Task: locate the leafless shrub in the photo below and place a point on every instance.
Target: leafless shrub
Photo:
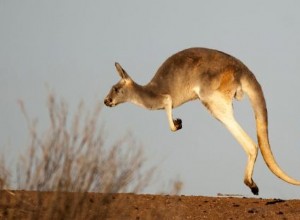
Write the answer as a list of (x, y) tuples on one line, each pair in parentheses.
[(74, 157), (70, 159)]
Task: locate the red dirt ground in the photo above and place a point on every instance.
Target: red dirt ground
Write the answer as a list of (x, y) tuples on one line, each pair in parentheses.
[(53, 205)]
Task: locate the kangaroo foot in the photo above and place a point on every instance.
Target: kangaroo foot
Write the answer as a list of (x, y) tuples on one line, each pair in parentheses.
[(177, 123), (254, 190), (251, 184)]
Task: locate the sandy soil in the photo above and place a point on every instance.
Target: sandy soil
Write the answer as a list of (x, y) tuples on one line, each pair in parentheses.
[(53, 205)]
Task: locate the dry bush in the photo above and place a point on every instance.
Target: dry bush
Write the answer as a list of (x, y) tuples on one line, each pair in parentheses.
[(73, 156)]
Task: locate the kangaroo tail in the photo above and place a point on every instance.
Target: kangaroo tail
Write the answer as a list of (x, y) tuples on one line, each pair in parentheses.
[(254, 91)]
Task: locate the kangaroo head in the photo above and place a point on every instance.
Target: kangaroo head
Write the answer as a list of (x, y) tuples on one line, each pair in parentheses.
[(120, 92)]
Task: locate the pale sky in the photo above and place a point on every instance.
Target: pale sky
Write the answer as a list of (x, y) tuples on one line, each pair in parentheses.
[(72, 45)]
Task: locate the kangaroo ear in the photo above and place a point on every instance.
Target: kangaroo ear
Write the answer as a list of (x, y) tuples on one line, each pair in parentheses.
[(122, 72)]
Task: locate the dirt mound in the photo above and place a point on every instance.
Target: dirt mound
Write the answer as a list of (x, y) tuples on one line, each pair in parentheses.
[(54, 205)]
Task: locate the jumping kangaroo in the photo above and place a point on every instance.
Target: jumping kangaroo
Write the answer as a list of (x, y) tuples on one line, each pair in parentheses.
[(215, 78)]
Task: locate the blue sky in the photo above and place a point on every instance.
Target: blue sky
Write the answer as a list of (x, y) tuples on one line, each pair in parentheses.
[(72, 45)]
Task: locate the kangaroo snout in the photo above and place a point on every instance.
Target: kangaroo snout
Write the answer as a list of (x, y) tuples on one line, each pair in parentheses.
[(108, 102)]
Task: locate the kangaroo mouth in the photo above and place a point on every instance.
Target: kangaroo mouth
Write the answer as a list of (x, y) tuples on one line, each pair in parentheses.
[(108, 102)]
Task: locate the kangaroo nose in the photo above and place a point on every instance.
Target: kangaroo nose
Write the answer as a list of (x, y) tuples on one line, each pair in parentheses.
[(108, 101)]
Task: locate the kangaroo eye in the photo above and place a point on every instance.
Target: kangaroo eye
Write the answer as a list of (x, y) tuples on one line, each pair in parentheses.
[(115, 89)]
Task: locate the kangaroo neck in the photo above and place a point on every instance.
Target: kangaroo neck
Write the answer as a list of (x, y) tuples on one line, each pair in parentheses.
[(145, 97)]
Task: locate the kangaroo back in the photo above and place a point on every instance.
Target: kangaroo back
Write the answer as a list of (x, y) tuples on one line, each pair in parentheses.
[(254, 91)]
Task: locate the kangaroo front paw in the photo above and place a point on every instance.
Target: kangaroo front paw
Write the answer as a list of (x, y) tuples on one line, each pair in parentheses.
[(177, 123)]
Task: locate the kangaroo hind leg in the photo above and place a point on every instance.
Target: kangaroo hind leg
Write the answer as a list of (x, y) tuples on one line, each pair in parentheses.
[(220, 107)]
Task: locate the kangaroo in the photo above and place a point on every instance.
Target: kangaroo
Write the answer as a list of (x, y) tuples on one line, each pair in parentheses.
[(215, 78)]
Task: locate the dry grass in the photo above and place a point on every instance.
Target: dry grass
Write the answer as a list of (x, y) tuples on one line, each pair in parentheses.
[(73, 156), (4, 174)]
